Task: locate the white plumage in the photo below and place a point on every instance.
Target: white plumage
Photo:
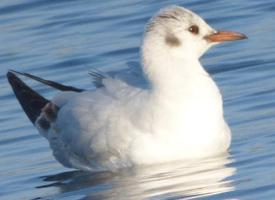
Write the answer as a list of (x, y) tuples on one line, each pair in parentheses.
[(179, 116)]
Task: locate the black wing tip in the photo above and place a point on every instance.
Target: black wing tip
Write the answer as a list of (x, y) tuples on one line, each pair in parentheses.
[(50, 83), (10, 74), (14, 81), (31, 102)]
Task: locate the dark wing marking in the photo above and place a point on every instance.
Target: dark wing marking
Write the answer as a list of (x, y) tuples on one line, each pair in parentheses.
[(31, 102), (53, 84)]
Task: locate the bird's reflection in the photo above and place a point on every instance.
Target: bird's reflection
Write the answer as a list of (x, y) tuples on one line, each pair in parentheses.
[(174, 180)]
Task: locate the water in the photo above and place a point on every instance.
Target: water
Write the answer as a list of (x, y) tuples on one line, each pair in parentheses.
[(63, 40)]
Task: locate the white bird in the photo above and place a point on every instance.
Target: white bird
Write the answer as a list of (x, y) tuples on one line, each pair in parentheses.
[(179, 116)]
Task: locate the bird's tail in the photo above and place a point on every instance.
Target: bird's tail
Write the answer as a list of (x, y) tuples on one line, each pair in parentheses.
[(31, 102)]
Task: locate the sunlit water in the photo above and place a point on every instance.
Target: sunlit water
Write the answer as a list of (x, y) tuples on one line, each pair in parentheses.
[(62, 40)]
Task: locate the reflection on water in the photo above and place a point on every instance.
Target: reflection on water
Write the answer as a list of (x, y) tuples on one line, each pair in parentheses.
[(62, 40), (180, 180)]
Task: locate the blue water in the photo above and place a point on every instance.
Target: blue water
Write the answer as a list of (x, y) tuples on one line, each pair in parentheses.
[(62, 40)]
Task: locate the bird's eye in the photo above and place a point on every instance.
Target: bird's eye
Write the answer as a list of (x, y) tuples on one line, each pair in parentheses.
[(194, 29)]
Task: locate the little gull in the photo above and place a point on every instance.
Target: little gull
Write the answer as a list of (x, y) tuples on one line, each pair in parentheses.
[(179, 116)]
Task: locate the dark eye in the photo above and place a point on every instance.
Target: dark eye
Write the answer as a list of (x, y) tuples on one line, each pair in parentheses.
[(194, 29)]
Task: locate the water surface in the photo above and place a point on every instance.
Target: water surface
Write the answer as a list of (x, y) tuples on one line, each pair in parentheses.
[(63, 40)]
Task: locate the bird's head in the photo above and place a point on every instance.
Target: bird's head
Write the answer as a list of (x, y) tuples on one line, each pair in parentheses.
[(181, 33)]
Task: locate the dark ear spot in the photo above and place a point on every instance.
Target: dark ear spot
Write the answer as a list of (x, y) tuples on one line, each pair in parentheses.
[(172, 40)]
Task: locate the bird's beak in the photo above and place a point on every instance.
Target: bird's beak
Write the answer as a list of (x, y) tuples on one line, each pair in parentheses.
[(223, 36)]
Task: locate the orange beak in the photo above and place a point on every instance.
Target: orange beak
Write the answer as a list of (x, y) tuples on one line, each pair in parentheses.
[(224, 36)]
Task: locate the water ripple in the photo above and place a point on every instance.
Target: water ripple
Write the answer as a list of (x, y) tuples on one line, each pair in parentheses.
[(63, 40)]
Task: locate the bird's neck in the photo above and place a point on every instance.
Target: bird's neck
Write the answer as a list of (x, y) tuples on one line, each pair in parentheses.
[(177, 75), (169, 76), (167, 70), (180, 83), (182, 95), (176, 78)]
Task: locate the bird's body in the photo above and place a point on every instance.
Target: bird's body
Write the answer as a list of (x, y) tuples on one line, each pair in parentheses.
[(133, 126), (178, 117)]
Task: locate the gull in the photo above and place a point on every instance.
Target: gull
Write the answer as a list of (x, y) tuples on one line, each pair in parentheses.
[(177, 116)]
